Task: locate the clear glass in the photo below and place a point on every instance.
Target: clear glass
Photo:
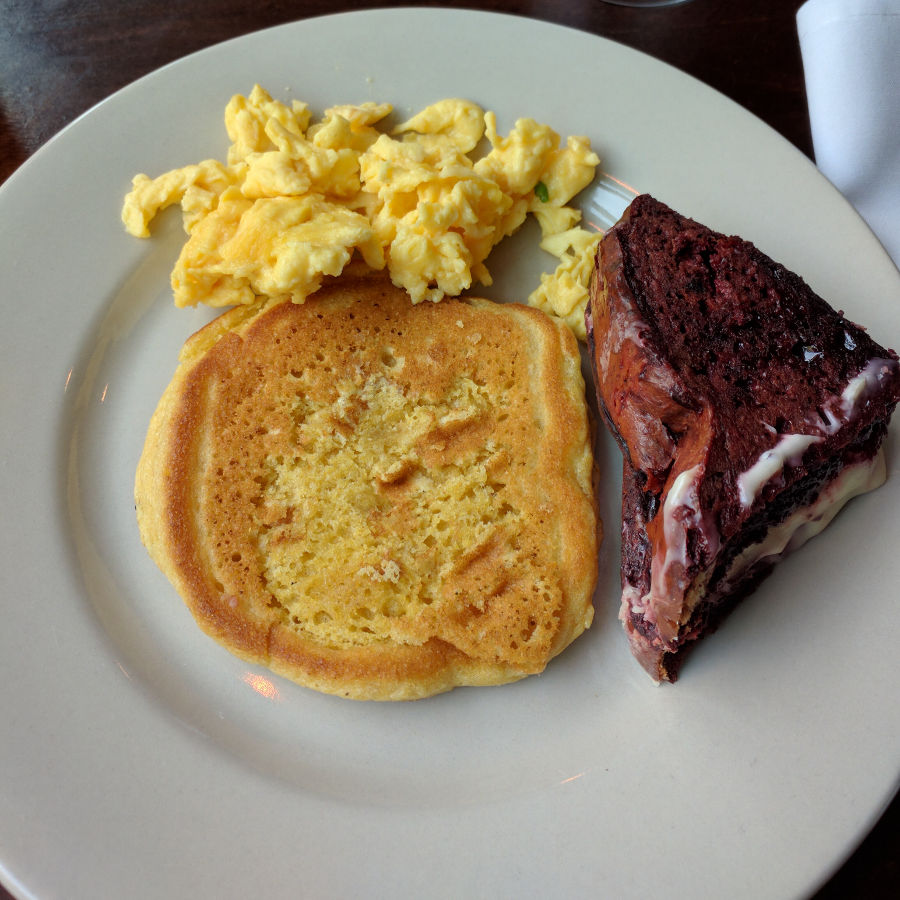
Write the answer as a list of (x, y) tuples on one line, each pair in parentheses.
[(646, 2)]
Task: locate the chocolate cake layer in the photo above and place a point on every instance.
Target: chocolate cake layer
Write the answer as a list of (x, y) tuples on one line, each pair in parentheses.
[(743, 403)]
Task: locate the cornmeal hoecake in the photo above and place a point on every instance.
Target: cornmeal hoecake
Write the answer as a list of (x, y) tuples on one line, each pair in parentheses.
[(373, 498), (296, 198)]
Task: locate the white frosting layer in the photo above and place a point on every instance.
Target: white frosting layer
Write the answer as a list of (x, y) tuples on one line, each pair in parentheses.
[(682, 509), (681, 512), (667, 571), (857, 389), (806, 523), (790, 535), (788, 451), (790, 448)]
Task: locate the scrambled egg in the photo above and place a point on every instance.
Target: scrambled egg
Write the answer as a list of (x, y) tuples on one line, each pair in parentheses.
[(295, 199), (565, 292)]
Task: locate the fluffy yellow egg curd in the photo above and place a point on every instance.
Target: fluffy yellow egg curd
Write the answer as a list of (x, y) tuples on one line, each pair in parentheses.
[(297, 199)]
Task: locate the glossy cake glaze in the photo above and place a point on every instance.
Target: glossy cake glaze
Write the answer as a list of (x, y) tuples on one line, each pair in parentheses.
[(744, 405)]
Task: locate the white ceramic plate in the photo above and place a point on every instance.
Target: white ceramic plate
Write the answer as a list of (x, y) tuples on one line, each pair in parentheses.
[(140, 760)]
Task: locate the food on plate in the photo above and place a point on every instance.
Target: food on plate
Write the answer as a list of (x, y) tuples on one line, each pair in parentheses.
[(377, 499), (564, 292), (747, 409), (296, 199)]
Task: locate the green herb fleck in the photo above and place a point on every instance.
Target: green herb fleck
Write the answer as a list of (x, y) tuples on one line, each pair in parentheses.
[(541, 192)]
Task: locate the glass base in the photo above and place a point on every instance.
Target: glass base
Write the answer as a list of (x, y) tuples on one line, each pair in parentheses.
[(646, 2)]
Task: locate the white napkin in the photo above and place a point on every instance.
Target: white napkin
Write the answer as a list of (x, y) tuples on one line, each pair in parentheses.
[(851, 60)]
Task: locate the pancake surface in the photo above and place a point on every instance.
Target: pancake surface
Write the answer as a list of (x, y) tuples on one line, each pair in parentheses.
[(375, 499)]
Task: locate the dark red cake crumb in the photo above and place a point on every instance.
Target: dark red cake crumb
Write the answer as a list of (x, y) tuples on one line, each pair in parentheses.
[(738, 397)]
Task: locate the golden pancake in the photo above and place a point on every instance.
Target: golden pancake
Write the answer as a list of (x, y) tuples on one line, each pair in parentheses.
[(377, 499)]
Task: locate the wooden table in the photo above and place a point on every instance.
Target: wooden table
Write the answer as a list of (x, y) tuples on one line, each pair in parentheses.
[(60, 57)]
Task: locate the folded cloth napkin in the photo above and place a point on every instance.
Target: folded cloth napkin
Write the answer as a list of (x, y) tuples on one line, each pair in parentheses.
[(851, 62)]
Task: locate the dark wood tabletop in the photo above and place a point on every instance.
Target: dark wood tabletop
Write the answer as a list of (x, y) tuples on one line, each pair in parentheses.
[(60, 57)]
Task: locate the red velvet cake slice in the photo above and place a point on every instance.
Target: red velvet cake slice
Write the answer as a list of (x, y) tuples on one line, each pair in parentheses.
[(747, 409)]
